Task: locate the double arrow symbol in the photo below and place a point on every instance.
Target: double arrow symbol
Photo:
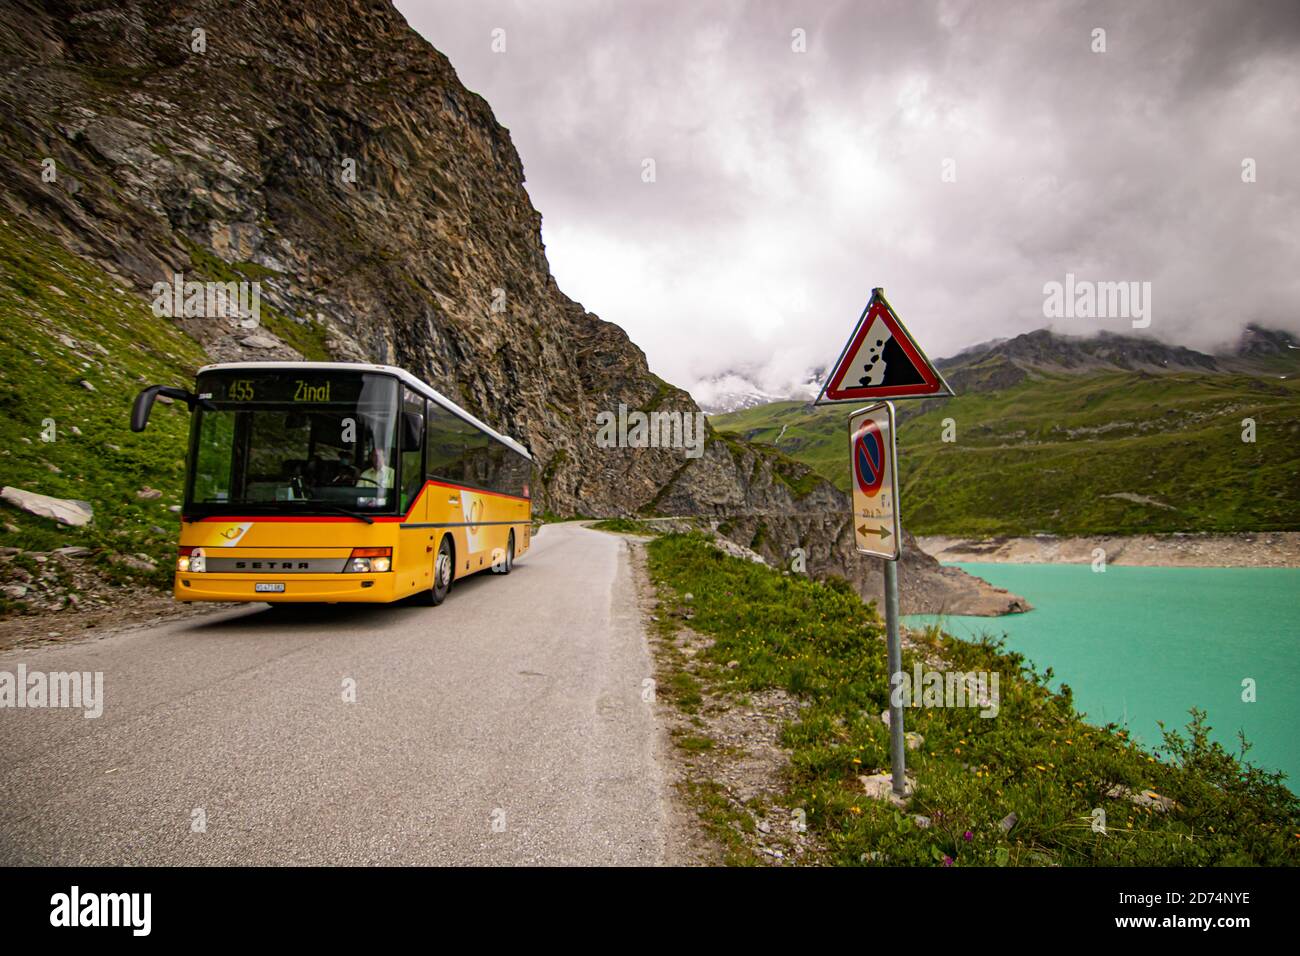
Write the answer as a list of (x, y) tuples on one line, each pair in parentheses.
[(882, 531)]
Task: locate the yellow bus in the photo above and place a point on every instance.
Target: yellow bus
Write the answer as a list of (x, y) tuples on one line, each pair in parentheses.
[(335, 481)]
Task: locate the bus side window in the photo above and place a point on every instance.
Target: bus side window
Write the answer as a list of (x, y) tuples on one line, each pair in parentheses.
[(458, 453), (444, 443)]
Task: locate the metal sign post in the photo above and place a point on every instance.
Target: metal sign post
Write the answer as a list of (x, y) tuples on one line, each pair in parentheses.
[(877, 531), (894, 654), (881, 360)]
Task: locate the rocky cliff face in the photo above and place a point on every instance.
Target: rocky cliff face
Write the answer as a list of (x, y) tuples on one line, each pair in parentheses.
[(329, 153)]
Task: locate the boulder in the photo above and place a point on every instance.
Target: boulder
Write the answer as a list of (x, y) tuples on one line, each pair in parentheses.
[(65, 511), (134, 561), (880, 786)]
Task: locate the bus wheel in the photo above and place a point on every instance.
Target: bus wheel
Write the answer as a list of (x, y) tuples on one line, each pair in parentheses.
[(444, 569), (509, 564)]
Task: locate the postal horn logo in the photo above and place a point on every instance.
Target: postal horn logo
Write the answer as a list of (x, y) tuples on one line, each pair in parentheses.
[(233, 533)]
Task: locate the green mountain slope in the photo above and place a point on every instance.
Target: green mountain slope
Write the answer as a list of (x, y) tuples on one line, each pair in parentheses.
[(66, 322), (1094, 453)]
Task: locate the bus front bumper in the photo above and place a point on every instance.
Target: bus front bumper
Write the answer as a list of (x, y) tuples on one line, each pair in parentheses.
[(373, 588)]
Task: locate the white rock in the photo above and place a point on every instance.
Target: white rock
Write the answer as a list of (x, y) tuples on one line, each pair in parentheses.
[(63, 510), (132, 561), (880, 786)]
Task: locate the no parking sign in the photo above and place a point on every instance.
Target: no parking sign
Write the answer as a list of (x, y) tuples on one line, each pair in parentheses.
[(876, 527)]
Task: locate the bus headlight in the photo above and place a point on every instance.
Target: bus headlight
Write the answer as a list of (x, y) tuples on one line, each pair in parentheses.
[(365, 560), (191, 559)]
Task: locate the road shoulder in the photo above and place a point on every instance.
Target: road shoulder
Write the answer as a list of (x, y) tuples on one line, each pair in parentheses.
[(721, 754)]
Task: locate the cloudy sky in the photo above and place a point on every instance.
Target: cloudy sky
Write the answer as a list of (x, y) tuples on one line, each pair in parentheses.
[(959, 154)]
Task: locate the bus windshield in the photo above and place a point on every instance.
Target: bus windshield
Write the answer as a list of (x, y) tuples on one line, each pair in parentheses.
[(294, 441)]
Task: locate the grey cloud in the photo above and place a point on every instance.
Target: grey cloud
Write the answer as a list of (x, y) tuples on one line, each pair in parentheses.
[(790, 184)]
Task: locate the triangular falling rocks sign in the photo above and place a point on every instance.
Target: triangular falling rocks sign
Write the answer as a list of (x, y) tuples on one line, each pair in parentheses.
[(881, 360)]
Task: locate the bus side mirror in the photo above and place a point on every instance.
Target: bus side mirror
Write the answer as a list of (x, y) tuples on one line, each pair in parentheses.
[(144, 403), (412, 431)]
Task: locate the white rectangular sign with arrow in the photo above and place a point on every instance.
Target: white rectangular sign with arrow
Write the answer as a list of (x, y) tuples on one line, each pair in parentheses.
[(872, 459)]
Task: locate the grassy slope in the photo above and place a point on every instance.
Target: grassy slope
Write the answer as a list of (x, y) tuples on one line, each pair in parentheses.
[(1044, 455), (1037, 758), (45, 292)]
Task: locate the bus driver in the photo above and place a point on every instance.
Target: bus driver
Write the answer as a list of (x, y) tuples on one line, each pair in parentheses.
[(379, 474)]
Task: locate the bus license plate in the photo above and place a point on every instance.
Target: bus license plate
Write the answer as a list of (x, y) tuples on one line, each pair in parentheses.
[(263, 587)]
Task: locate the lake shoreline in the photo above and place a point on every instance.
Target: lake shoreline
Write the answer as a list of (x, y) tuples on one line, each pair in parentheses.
[(1264, 549)]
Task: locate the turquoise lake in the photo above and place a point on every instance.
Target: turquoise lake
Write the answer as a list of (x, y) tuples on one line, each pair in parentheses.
[(1138, 645)]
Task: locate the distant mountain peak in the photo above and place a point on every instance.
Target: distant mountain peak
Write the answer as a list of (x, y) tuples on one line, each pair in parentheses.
[(734, 391), (1048, 349), (1257, 341), (1001, 363)]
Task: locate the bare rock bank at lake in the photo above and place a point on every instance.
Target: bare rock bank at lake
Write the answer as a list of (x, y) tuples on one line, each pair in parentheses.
[(1265, 549)]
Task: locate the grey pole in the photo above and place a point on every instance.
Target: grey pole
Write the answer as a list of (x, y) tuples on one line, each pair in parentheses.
[(896, 748)]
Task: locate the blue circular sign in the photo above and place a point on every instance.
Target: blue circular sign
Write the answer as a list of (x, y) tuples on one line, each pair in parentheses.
[(869, 458)]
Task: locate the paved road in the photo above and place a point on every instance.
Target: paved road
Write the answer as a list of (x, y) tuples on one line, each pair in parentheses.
[(516, 701)]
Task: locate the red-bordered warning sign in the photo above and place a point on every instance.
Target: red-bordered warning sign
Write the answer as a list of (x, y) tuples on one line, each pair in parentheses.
[(881, 360)]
